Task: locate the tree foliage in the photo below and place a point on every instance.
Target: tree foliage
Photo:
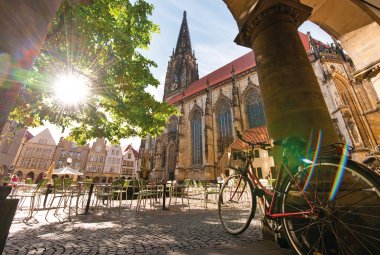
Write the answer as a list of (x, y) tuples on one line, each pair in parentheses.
[(101, 41)]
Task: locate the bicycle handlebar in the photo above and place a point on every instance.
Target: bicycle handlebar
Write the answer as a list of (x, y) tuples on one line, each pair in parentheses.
[(264, 146)]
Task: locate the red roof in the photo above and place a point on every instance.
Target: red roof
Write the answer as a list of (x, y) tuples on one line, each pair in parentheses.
[(135, 153), (240, 64), (255, 135)]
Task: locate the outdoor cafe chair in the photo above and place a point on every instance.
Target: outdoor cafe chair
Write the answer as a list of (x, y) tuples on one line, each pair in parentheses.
[(147, 191), (182, 191), (208, 189), (61, 190), (103, 193), (117, 191), (34, 194), (121, 190)]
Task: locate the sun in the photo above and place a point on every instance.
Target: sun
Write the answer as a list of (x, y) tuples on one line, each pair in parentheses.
[(71, 89)]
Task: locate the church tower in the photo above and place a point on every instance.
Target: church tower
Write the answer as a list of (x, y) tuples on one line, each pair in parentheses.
[(182, 67)]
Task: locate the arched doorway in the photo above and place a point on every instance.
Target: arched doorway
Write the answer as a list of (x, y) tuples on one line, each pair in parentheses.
[(30, 175), (96, 179), (19, 175), (40, 176)]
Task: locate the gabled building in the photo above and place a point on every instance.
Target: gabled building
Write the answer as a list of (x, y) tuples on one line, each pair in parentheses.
[(69, 151), (36, 156), (130, 162), (96, 159), (112, 164), (12, 138)]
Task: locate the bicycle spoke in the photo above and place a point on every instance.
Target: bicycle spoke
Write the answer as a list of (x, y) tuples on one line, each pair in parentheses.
[(347, 225)]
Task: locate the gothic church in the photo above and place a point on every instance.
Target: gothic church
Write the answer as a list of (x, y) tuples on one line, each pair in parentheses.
[(196, 144)]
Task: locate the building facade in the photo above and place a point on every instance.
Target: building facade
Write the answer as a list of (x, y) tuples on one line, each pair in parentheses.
[(229, 99), (96, 159), (68, 150), (11, 140), (36, 156), (129, 165), (112, 164)]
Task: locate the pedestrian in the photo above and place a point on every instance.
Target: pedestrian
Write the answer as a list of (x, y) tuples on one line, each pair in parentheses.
[(14, 178)]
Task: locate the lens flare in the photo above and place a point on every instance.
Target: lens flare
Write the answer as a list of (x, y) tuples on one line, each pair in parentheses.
[(339, 175), (71, 89), (316, 153)]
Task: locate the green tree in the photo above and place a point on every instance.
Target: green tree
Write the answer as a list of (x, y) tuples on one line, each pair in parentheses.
[(101, 41)]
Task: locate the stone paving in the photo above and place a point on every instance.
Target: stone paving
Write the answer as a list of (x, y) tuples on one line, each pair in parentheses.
[(174, 231)]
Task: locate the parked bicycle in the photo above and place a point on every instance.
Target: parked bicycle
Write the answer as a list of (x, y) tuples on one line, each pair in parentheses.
[(372, 161), (324, 205)]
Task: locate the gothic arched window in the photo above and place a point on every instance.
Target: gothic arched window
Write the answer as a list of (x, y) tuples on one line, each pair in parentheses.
[(163, 157), (223, 117), (171, 158), (254, 109), (173, 128), (196, 136)]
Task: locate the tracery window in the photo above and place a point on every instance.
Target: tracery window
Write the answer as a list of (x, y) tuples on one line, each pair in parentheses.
[(196, 136), (171, 158), (254, 109), (163, 157), (172, 127), (223, 116)]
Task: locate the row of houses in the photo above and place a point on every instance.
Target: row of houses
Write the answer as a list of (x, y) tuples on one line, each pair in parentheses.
[(30, 156)]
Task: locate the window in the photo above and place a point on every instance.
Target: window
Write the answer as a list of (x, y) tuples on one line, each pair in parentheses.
[(171, 159), (257, 154), (196, 136), (129, 156), (223, 116), (130, 163), (254, 109), (259, 173), (163, 157)]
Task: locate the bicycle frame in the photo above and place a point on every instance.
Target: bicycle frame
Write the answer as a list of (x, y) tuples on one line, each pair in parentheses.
[(269, 211)]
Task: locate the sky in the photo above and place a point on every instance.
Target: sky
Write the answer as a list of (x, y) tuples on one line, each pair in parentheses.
[(212, 32)]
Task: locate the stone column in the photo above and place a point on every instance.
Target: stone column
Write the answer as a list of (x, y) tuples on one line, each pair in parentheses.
[(24, 25), (293, 101), (235, 103), (209, 136)]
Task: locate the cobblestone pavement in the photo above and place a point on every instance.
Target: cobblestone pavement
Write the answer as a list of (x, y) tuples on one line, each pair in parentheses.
[(181, 231)]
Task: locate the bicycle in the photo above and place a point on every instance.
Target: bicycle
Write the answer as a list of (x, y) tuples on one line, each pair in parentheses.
[(327, 205)]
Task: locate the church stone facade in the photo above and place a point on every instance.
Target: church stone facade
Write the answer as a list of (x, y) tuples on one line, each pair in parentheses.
[(214, 107)]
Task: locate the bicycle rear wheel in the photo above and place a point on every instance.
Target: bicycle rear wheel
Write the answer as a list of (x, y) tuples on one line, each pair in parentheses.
[(348, 223), (236, 204)]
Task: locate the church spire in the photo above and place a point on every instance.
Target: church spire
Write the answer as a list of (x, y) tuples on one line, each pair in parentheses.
[(182, 66), (183, 42)]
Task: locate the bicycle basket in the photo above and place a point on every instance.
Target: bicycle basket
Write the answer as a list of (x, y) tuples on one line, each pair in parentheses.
[(237, 160)]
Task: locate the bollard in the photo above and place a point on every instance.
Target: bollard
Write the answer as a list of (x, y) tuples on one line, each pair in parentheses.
[(7, 212)]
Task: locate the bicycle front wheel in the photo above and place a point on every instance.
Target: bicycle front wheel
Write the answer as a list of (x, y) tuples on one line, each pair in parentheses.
[(346, 201), (236, 204)]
